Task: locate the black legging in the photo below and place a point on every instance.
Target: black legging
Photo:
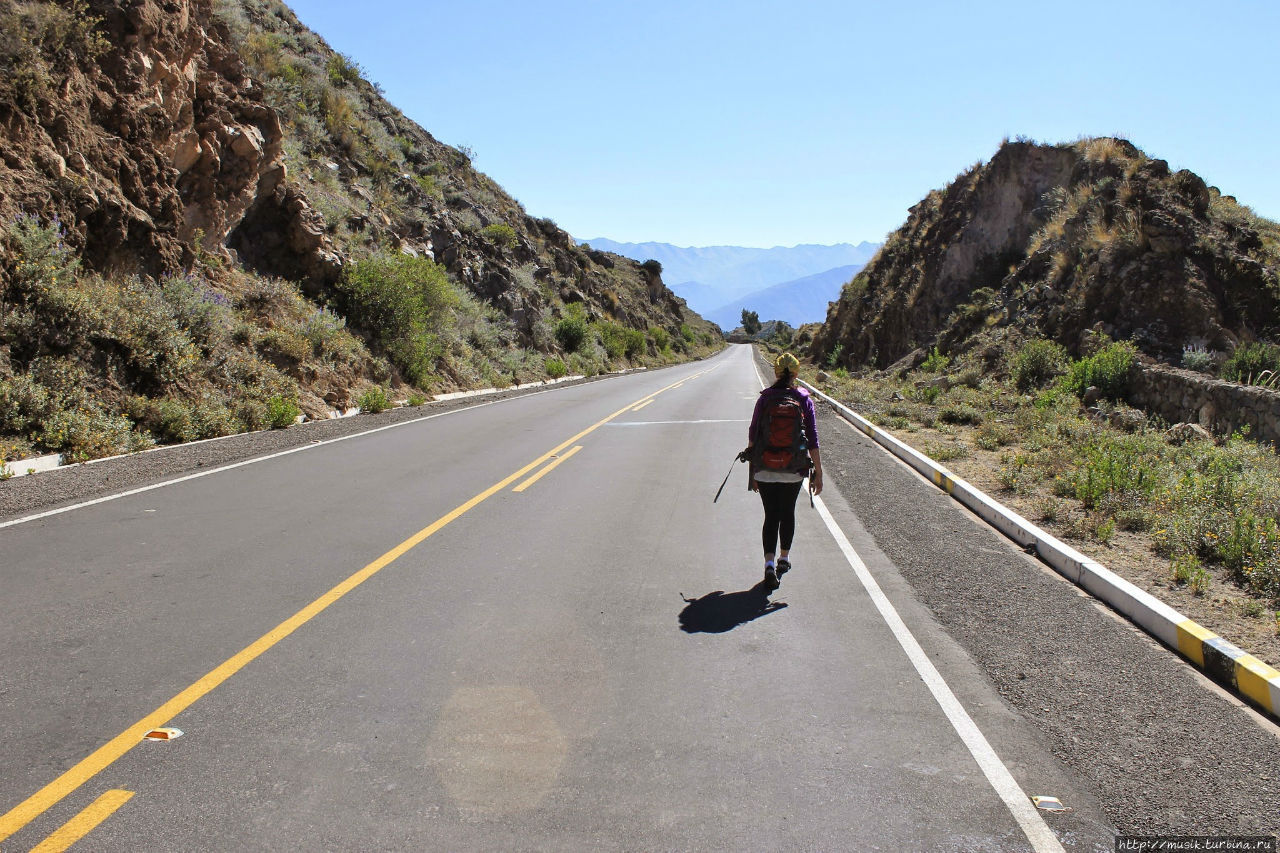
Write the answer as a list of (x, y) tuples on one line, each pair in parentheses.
[(779, 501)]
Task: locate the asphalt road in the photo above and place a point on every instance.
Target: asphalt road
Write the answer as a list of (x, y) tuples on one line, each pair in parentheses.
[(406, 641)]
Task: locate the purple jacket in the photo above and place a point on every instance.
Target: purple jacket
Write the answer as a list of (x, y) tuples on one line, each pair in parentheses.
[(810, 415)]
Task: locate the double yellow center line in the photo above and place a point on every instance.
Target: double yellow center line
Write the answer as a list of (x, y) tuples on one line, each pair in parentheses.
[(84, 823), (48, 796)]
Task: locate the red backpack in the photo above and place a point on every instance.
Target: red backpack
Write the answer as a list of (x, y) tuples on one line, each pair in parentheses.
[(780, 444)]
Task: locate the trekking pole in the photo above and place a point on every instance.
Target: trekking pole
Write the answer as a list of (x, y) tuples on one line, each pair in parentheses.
[(726, 478)]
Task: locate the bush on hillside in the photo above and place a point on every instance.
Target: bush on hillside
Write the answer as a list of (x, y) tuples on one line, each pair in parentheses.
[(404, 303), (1037, 363), (613, 338), (1107, 370), (571, 331), (500, 234), (282, 412), (1250, 360), (374, 400)]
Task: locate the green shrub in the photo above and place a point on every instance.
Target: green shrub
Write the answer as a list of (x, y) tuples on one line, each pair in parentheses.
[(936, 362), (686, 332), (1249, 360), (661, 337), (1036, 363), (83, 434), (945, 452), (1115, 467), (500, 234), (991, 436), (571, 332), (416, 398), (1197, 358), (1107, 370), (635, 343), (286, 344), (374, 400), (202, 312), (429, 186), (405, 303), (170, 420), (24, 403), (342, 69), (252, 414), (960, 413), (927, 394), (613, 338), (555, 368), (1187, 570), (212, 418), (282, 412), (329, 338)]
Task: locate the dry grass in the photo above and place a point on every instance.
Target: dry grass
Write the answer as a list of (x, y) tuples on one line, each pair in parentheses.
[(1194, 525)]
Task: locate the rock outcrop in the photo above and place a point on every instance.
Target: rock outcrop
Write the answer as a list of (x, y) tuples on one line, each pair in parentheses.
[(1063, 242), (152, 145)]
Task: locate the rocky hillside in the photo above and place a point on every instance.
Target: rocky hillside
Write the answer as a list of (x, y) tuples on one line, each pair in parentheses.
[(1063, 241), (207, 210)]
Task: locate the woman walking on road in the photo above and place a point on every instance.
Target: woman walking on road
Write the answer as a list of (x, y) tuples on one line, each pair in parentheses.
[(782, 446)]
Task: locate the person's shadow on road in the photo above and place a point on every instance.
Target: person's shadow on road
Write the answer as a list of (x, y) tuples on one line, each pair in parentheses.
[(717, 612)]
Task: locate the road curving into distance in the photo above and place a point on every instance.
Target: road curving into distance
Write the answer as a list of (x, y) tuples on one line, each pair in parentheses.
[(514, 626)]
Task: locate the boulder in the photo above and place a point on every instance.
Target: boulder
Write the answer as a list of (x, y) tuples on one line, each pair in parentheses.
[(1182, 433)]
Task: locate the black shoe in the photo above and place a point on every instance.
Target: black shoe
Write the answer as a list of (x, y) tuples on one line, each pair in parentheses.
[(784, 566), (770, 578)]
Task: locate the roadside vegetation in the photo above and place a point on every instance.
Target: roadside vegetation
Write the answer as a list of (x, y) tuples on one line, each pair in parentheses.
[(1168, 508), (94, 365)]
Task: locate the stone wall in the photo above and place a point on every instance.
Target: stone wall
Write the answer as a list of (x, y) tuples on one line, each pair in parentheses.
[(1221, 407)]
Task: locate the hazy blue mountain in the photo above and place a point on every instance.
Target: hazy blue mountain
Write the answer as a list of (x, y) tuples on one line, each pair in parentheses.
[(709, 277), (803, 300)]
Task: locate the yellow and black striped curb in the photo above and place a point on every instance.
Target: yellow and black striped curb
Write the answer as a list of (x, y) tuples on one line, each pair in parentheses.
[(1240, 672)]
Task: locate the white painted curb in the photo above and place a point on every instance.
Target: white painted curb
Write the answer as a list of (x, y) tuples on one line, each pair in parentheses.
[(458, 395), (1230, 666)]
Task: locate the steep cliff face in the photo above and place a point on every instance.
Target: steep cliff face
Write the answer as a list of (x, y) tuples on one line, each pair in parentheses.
[(141, 132), (1060, 241)]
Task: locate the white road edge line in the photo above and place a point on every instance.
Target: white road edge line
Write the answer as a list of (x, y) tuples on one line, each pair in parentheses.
[(1015, 799), (106, 498), (263, 459), (1006, 787)]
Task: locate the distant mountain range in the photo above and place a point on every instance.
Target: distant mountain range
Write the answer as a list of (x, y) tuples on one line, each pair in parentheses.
[(803, 300), (714, 278)]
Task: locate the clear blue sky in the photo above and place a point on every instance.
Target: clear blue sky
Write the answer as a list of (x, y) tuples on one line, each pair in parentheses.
[(761, 124)]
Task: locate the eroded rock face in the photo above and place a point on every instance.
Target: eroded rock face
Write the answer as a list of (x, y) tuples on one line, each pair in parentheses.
[(1061, 242), (161, 146)]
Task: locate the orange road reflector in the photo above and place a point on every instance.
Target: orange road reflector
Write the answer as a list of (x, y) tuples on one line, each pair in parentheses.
[(163, 734)]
